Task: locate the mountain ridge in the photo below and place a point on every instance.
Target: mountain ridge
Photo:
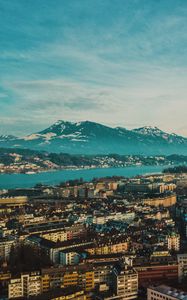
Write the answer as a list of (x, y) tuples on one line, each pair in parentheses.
[(88, 137)]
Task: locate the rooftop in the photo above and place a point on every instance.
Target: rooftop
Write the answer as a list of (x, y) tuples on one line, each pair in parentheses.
[(167, 290)]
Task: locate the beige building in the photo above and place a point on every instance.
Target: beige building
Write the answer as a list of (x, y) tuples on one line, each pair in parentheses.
[(116, 247), (14, 201), (173, 242), (58, 235), (5, 248), (125, 283), (165, 201)]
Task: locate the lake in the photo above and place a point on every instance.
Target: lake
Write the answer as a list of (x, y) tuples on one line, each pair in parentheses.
[(11, 181)]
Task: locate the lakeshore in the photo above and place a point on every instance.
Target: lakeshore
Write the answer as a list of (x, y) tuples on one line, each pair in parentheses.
[(12, 181)]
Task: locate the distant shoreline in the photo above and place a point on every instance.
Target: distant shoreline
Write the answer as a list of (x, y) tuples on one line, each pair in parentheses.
[(51, 178), (70, 168)]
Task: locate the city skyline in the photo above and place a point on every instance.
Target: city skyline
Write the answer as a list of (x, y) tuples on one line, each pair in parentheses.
[(119, 63)]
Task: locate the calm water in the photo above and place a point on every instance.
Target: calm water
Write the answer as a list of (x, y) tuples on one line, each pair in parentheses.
[(25, 181)]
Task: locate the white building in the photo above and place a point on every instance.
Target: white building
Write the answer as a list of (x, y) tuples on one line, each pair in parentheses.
[(125, 283), (69, 258), (25, 286), (165, 292), (182, 263), (124, 217)]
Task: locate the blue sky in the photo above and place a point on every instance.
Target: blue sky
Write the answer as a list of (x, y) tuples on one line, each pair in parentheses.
[(118, 62)]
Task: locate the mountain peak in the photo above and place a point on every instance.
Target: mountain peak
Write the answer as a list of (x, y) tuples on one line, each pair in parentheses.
[(62, 122), (149, 130), (9, 137), (148, 127), (87, 137)]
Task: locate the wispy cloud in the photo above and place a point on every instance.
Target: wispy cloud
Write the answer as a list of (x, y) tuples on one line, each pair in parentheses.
[(107, 61)]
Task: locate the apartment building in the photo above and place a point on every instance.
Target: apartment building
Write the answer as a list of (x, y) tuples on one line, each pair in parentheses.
[(69, 258), (69, 276), (74, 293), (125, 282), (151, 274), (25, 286), (165, 201), (5, 248), (173, 242), (76, 231), (166, 293), (182, 265), (108, 248)]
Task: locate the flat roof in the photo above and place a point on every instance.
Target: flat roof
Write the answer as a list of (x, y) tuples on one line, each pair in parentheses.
[(170, 291)]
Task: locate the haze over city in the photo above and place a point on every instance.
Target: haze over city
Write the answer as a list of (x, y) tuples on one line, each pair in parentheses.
[(117, 62)]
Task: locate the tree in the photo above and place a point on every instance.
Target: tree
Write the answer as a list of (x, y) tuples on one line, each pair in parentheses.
[(24, 258)]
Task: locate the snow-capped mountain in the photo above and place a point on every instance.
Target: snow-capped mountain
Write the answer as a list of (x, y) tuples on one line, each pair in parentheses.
[(93, 138), (149, 130), (7, 138), (156, 132)]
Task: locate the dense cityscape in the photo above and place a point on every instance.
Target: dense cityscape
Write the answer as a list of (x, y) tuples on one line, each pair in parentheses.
[(93, 150), (111, 238)]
